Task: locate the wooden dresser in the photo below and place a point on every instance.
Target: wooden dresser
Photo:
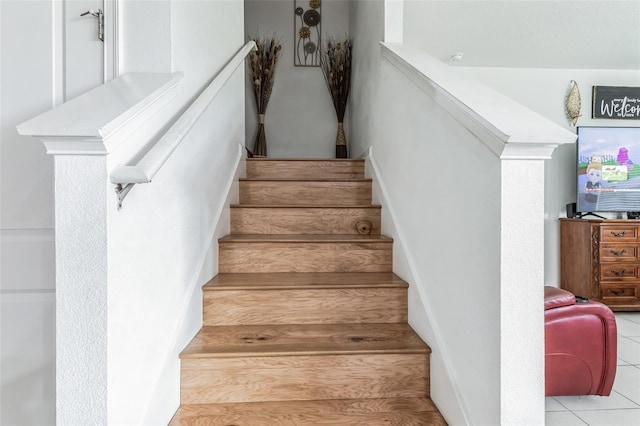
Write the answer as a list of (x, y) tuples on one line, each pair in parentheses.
[(600, 259)]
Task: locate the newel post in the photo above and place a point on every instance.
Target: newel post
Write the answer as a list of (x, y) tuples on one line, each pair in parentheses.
[(522, 284), (82, 135), (81, 283)]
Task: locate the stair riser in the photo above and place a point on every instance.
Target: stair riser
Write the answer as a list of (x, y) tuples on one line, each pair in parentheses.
[(264, 220), (304, 257), (254, 379), (291, 169), (305, 193), (305, 306)]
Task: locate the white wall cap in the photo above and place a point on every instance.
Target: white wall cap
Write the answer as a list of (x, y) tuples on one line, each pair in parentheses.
[(507, 128), (98, 114), (74, 145)]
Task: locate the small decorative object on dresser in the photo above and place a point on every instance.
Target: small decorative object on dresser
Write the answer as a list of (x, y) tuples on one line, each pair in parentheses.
[(335, 62), (263, 71), (600, 260)]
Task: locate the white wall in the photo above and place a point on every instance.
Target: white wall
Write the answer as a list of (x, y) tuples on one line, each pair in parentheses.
[(300, 119), (544, 91), (528, 33), (443, 188), (27, 282), (145, 38), (163, 243)]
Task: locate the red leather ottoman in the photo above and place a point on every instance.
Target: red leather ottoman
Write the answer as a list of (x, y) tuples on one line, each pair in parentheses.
[(580, 345)]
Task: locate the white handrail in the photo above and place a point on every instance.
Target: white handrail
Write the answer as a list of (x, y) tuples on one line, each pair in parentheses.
[(126, 176)]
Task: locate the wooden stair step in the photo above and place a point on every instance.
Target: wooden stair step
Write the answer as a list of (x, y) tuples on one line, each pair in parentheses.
[(304, 362), (364, 412), (310, 280), (304, 298), (304, 339), (308, 192), (304, 219), (304, 253), (305, 168)]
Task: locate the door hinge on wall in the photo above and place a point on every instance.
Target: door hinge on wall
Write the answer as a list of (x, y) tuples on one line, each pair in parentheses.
[(100, 15)]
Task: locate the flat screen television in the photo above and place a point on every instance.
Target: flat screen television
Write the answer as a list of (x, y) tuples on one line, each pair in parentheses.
[(608, 169)]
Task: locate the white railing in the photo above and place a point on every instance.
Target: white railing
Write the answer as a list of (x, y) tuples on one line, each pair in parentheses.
[(125, 177)]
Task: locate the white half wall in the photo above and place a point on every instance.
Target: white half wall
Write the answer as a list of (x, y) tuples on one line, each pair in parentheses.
[(300, 119), (443, 187)]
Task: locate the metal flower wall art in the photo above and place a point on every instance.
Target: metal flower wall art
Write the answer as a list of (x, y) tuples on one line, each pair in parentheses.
[(307, 32)]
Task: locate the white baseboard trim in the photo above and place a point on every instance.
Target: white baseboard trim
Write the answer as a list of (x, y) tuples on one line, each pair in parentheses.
[(400, 239)]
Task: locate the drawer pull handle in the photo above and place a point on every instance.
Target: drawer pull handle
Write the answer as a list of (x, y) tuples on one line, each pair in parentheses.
[(618, 253), (618, 234), (618, 273), (618, 292)]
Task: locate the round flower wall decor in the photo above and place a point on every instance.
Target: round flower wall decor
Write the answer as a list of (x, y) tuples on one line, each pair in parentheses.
[(304, 32), (311, 17), (310, 47)]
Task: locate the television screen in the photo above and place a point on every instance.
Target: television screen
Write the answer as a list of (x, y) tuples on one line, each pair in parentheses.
[(608, 169)]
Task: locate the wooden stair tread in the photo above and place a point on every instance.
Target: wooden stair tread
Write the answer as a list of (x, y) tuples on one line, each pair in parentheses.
[(369, 412), (331, 160), (305, 206), (315, 280), (302, 238), (304, 179), (304, 339)]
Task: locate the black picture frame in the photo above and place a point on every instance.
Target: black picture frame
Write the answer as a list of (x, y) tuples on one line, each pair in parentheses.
[(616, 103)]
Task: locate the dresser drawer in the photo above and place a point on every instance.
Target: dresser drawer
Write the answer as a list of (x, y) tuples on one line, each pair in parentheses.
[(618, 233), (619, 294), (618, 272), (618, 252)]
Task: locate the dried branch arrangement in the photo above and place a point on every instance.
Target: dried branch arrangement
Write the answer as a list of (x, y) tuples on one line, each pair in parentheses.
[(263, 70), (335, 62)]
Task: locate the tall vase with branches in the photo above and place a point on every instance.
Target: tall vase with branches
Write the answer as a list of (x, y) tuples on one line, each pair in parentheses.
[(263, 70), (335, 62)]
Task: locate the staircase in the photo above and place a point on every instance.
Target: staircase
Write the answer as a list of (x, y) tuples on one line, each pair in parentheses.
[(305, 323)]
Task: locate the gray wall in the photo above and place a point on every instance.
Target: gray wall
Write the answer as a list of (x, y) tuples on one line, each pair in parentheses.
[(300, 119)]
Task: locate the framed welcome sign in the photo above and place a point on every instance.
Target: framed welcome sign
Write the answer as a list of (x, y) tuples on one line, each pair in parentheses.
[(618, 103)]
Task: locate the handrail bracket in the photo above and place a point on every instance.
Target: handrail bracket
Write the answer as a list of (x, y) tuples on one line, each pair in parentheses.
[(122, 191)]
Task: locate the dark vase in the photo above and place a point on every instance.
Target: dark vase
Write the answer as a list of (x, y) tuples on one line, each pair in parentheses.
[(260, 145), (341, 142)]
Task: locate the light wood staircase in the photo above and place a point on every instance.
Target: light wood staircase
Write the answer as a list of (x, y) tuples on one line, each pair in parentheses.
[(306, 324)]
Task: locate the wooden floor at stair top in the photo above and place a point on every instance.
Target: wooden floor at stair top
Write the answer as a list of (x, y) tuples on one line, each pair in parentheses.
[(304, 339), (352, 412)]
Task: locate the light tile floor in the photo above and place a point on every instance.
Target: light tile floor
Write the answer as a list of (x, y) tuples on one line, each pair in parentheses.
[(622, 407)]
